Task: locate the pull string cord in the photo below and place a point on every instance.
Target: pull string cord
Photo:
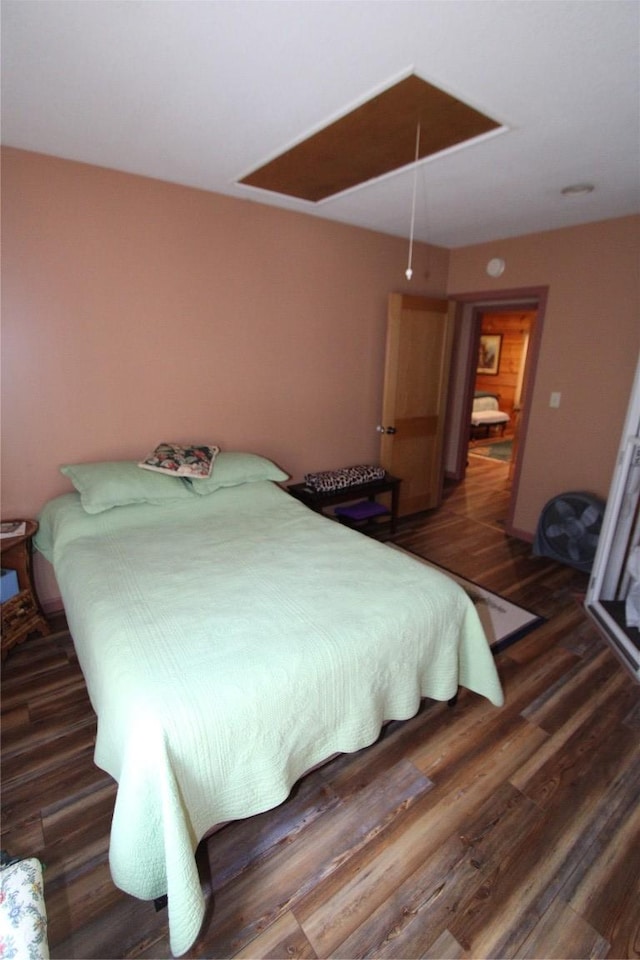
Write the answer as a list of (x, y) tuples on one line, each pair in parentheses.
[(409, 272)]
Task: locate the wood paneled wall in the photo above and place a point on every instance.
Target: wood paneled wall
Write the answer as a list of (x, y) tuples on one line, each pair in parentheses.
[(515, 329)]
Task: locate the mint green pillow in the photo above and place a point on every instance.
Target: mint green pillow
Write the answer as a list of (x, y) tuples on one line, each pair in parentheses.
[(232, 468), (118, 483)]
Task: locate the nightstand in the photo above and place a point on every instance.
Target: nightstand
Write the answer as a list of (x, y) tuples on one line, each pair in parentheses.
[(21, 614)]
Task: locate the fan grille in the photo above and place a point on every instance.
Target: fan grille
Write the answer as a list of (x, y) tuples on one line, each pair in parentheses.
[(569, 529)]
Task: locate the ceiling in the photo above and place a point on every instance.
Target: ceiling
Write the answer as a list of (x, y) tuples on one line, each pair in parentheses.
[(203, 92)]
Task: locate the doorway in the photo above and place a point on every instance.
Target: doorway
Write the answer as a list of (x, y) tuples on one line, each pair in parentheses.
[(504, 336), (476, 316)]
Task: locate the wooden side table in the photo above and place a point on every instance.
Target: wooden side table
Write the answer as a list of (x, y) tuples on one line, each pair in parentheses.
[(318, 501), (21, 614)]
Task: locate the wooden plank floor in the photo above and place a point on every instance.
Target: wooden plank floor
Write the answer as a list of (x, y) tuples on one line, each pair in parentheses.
[(469, 832)]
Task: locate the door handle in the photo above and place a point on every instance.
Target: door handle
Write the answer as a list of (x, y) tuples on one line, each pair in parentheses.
[(382, 429)]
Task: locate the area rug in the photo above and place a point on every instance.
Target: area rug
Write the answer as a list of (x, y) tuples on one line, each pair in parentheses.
[(504, 622), (496, 450)]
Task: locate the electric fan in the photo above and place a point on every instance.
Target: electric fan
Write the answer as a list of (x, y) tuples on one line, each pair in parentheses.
[(569, 528)]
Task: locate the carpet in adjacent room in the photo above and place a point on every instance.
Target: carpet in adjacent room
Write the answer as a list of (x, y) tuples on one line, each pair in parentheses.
[(494, 450)]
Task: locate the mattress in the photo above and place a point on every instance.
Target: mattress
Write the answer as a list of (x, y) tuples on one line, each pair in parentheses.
[(229, 644)]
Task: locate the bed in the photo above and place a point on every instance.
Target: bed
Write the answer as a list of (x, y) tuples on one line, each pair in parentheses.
[(486, 413), (232, 639)]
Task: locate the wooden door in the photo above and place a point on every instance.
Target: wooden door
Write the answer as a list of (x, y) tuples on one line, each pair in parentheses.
[(419, 340)]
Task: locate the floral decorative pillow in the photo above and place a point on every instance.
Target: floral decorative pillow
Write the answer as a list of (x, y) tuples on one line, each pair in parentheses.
[(195, 462), (23, 916)]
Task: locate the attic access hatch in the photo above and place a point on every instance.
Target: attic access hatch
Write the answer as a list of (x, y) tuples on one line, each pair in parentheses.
[(376, 138)]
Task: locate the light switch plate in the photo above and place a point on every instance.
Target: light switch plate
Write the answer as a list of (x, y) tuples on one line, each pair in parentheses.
[(554, 400)]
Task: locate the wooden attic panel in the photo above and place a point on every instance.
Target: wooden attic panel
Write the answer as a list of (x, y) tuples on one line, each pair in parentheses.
[(374, 139)]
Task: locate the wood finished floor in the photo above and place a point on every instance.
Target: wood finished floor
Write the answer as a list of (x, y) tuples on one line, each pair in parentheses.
[(469, 832)]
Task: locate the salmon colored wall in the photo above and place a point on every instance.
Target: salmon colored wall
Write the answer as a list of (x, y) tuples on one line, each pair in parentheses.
[(136, 311), (589, 350)]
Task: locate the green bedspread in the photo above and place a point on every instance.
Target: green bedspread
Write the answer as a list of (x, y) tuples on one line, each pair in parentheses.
[(230, 643)]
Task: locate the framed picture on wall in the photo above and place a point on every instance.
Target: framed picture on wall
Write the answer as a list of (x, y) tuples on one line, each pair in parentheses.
[(489, 353)]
